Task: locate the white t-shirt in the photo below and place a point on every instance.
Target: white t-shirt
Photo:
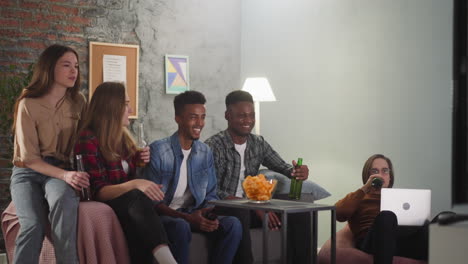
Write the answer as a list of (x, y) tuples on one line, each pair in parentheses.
[(241, 150), (182, 195)]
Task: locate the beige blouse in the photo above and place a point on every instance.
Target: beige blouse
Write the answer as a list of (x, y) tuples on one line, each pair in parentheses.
[(43, 130)]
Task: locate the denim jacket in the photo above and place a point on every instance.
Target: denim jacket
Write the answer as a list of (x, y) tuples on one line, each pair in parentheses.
[(164, 168)]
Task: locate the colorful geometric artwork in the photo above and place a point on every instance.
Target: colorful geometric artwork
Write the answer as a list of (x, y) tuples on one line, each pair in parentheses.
[(177, 74)]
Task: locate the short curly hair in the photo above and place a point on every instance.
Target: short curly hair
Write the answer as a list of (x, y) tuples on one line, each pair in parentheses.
[(187, 97), (238, 96)]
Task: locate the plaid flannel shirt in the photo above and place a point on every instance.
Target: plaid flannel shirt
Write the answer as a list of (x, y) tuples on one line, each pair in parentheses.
[(227, 160), (101, 171)]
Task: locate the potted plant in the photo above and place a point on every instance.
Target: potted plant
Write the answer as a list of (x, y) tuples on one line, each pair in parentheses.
[(11, 85)]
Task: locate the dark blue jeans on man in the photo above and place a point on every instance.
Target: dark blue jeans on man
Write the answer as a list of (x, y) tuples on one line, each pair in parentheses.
[(225, 239)]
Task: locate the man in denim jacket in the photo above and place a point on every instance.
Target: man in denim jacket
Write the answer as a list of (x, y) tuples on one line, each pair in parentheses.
[(184, 167)]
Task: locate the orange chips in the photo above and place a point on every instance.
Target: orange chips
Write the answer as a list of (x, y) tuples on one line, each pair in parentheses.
[(258, 187)]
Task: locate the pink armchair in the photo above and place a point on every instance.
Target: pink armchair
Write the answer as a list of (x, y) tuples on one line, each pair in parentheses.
[(346, 252), (100, 237)]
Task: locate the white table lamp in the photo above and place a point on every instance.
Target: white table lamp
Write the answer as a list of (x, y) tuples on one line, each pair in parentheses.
[(260, 90)]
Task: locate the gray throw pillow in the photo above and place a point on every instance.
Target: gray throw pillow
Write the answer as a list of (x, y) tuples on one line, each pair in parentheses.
[(310, 190)]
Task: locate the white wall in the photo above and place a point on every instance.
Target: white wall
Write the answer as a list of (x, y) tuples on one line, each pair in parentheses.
[(355, 78)]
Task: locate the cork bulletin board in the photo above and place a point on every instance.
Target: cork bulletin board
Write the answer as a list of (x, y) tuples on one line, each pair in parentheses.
[(97, 50)]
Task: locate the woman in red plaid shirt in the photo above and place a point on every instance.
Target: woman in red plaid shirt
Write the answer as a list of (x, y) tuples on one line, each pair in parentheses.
[(109, 156)]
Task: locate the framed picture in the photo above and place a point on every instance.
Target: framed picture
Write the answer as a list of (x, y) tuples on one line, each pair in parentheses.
[(177, 74), (118, 63)]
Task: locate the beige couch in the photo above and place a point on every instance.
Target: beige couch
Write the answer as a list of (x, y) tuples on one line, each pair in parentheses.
[(100, 234), (101, 239)]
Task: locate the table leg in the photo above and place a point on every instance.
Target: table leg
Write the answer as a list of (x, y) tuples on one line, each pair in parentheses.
[(265, 238), (333, 236), (284, 238), (313, 216)]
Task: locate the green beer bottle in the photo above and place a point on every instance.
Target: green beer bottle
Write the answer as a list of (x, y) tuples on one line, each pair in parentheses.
[(296, 185)]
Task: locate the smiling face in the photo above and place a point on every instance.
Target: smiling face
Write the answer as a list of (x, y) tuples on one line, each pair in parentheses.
[(191, 121), (66, 70), (241, 118)]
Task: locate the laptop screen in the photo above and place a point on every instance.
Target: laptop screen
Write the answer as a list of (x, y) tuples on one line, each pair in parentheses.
[(411, 206)]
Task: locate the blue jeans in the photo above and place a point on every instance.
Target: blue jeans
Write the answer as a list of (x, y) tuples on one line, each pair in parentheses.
[(225, 240), (34, 195)]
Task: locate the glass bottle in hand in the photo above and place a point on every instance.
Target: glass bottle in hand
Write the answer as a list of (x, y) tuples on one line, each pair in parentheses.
[(141, 144), (85, 194), (296, 185)]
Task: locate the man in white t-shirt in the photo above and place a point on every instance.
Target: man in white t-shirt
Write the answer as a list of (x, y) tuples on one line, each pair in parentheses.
[(239, 153), (184, 167)]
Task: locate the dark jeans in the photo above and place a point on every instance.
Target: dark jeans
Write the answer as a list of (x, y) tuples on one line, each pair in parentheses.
[(299, 239), (141, 224), (386, 239), (244, 252), (225, 239)]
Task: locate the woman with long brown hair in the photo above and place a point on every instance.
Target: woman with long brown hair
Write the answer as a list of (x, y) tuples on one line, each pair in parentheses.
[(377, 232), (109, 156), (45, 123)]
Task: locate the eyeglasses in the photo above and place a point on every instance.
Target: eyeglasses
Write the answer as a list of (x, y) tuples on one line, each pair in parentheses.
[(376, 171)]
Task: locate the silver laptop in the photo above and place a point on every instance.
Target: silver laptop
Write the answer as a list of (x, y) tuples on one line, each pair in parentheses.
[(411, 206)]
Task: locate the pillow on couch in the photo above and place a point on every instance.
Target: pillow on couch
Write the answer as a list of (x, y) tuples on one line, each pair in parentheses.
[(310, 190)]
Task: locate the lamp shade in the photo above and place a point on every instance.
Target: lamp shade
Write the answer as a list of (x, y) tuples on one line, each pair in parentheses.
[(260, 89)]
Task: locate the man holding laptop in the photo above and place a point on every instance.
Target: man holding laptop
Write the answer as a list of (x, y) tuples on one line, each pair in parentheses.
[(377, 232)]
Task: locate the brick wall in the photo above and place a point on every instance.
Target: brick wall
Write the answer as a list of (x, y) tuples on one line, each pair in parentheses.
[(159, 27), (26, 29)]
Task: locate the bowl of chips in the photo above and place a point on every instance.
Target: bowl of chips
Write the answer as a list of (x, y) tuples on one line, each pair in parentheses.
[(258, 189)]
